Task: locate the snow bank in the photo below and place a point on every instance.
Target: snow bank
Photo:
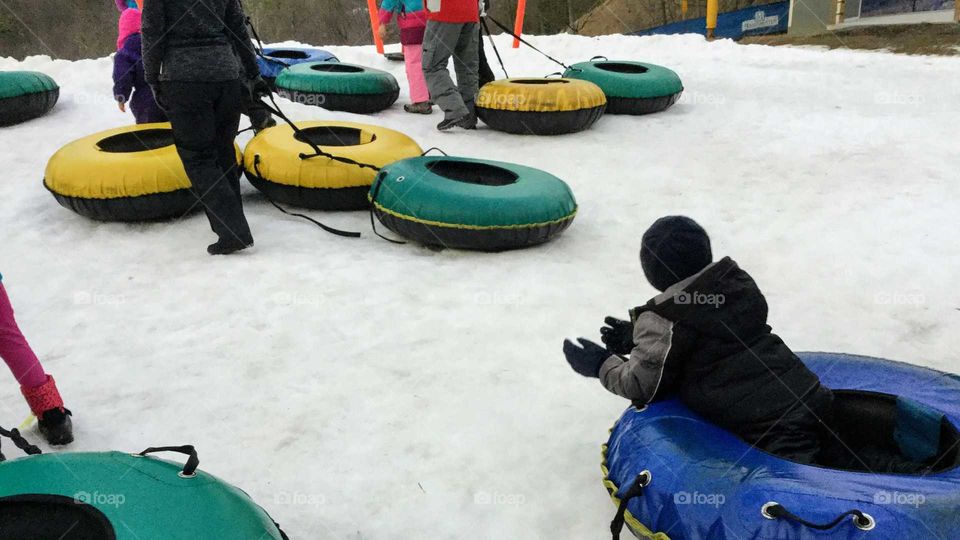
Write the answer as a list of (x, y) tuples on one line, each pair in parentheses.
[(359, 389)]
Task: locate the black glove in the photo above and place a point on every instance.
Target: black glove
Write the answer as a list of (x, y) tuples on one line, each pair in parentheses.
[(259, 87), (587, 360), (617, 335)]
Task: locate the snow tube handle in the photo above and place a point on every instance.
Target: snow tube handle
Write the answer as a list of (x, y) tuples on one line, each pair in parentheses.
[(636, 490), (190, 469), (595, 58), (861, 520), (432, 149)]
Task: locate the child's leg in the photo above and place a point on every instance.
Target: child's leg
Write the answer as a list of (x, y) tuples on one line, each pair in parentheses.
[(14, 348), (413, 58)]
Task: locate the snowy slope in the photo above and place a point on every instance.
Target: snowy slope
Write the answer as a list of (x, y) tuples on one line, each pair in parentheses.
[(359, 389)]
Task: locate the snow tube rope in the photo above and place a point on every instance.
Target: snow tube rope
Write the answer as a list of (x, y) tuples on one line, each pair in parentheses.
[(376, 192), (642, 480), (317, 152), (18, 441), (269, 60), (525, 42), (329, 229), (275, 108)]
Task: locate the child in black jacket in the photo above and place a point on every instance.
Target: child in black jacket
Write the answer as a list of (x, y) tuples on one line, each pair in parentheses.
[(706, 340)]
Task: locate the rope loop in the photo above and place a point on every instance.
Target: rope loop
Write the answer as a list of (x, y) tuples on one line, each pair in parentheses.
[(861, 520)]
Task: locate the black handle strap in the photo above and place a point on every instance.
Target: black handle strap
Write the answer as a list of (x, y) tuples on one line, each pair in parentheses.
[(303, 137), (861, 520), (636, 490), (188, 450), (18, 441), (377, 184), (331, 230), (525, 42), (595, 58), (431, 149), (486, 28)]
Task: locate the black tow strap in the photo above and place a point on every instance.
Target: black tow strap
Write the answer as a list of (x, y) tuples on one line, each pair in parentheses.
[(486, 28), (525, 42), (778, 511), (373, 206), (256, 36), (636, 490), (331, 230), (18, 441)]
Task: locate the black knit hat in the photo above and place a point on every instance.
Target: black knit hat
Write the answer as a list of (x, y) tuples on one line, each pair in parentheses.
[(674, 248)]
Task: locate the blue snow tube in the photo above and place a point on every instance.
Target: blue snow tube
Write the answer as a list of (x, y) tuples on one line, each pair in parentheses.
[(278, 58), (704, 483)]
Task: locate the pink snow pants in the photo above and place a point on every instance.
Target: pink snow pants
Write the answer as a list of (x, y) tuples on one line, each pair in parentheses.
[(413, 57), (14, 348)]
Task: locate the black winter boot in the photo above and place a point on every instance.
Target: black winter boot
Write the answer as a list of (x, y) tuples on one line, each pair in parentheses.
[(56, 426)]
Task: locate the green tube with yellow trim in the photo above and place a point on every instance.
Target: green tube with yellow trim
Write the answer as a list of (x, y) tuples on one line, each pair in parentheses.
[(473, 204)]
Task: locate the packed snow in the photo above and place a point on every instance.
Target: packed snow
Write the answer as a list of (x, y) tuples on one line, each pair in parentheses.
[(359, 389)]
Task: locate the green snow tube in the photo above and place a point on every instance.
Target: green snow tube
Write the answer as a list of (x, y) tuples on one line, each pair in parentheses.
[(630, 87), (338, 87), (471, 204), (118, 496), (25, 95)]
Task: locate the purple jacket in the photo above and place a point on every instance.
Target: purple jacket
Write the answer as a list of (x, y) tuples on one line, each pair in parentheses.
[(128, 79)]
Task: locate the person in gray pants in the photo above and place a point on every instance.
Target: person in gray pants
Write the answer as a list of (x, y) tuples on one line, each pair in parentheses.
[(453, 31)]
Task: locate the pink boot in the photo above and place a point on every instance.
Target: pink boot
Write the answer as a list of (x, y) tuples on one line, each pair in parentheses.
[(47, 405)]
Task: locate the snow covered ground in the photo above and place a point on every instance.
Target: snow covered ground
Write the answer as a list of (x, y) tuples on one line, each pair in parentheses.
[(359, 389)]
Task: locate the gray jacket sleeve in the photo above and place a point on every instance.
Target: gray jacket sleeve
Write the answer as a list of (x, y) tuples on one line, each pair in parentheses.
[(638, 378), (152, 31), (236, 23)]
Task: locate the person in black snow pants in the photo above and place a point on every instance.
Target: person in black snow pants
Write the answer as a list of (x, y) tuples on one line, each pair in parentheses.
[(706, 340), (199, 61)]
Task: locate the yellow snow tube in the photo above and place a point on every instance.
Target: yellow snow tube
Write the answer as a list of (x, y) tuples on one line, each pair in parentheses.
[(131, 173), (280, 162), (544, 106)]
